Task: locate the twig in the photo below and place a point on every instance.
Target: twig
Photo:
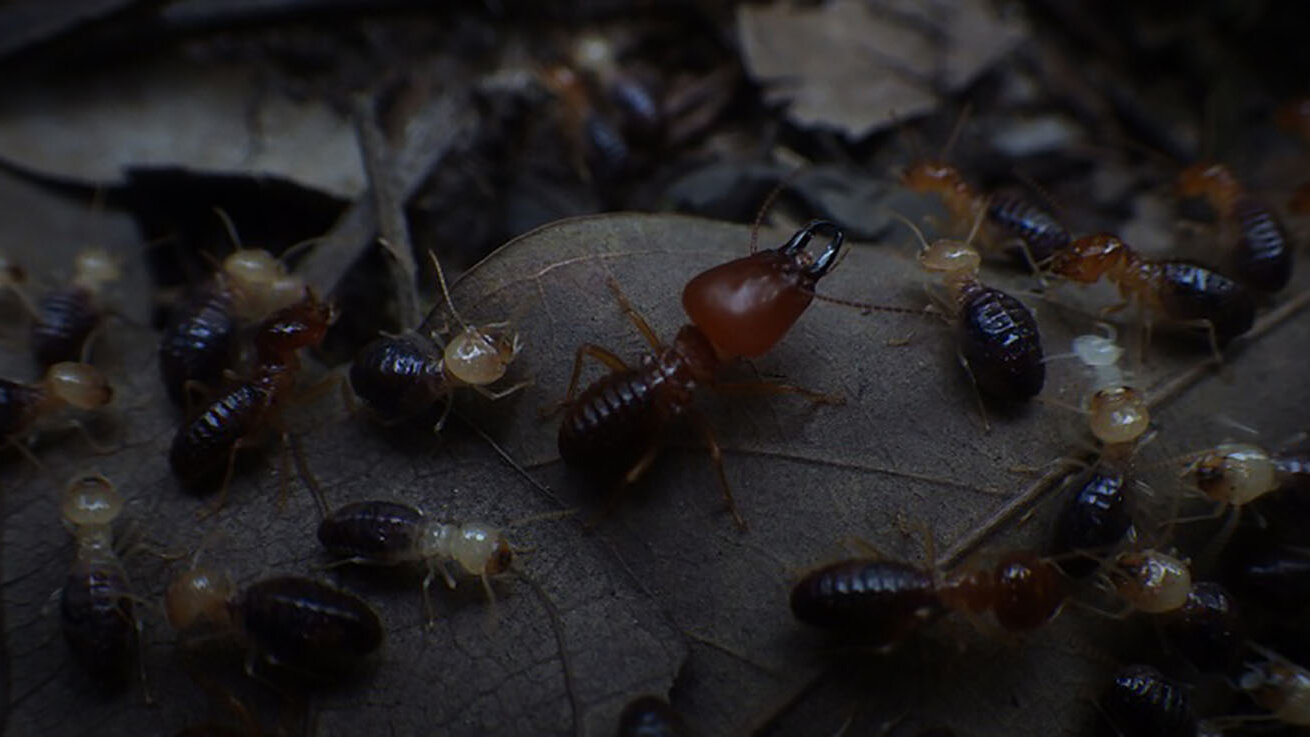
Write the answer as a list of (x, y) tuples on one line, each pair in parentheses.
[(387, 205)]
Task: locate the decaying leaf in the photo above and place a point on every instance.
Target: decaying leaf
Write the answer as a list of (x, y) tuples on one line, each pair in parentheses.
[(210, 118), (857, 67), (665, 586)]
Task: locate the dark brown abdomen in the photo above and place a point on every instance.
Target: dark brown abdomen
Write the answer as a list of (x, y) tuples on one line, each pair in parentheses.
[(197, 344), (97, 618), (307, 624), (1190, 291), (1019, 218), (876, 600), (203, 445), (1000, 343), (379, 531), (1263, 257), (64, 320), (397, 377), (17, 402), (608, 428)]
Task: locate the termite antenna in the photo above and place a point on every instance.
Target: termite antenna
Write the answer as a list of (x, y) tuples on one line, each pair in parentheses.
[(1191, 458), (230, 227), (293, 250), (445, 292), (768, 203), (869, 307), (923, 242), (557, 626), (955, 131), (546, 492)]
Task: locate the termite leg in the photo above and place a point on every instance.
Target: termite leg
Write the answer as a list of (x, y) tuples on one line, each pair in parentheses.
[(214, 508), (603, 355), (977, 393), (445, 415), (27, 453), (640, 322), (484, 391), (97, 448), (427, 597), (716, 457)]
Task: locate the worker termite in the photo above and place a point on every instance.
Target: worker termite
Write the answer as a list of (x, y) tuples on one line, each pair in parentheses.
[(1151, 581), (1282, 687), (1143, 702), (303, 624), (404, 376), (1010, 218), (389, 533), (1095, 518), (881, 602), (1207, 630), (1262, 257), (1118, 414), (649, 716), (1000, 346), (96, 604), (737, 309), (65, 319), (199, 342), (1236, 474), (211, 439), (1181, 291), (77, 385)]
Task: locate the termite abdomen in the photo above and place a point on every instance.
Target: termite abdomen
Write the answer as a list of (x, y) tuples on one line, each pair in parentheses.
[(197, 344), (1263, 257), (1207, 630), (98, 621), (64, 320), (1142, 702), (1094, 519), (1000, 343), (1015, 216), (18, 405), (308, 625), (649, 716), (875, 600), (1190, 291), (1272, 574), (371, 530), (205, 443), (397, 377), (611, 424)]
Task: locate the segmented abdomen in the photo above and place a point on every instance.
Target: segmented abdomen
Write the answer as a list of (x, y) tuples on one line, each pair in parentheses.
[(98, 622), (614, 422), (380, 531), (1019, 218), (1189, 291), (1263, 257), (64, 320), (878, 600), (305, 623), (17, 405), (1000, 343), (198, 343), (397, 377), (203, 445)]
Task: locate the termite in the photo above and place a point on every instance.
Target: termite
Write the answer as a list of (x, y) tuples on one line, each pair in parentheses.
[(739, 309), (1262, 257), (199, 342), (1000, 346), (389, 534), (303, 624), (65, 319), (1118, 414), (1143, 702), (1178, 290), (1095, 518), (211, 440), (1282, 687), (881, 602), (77, 385), (96, 608), (404, 376)]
